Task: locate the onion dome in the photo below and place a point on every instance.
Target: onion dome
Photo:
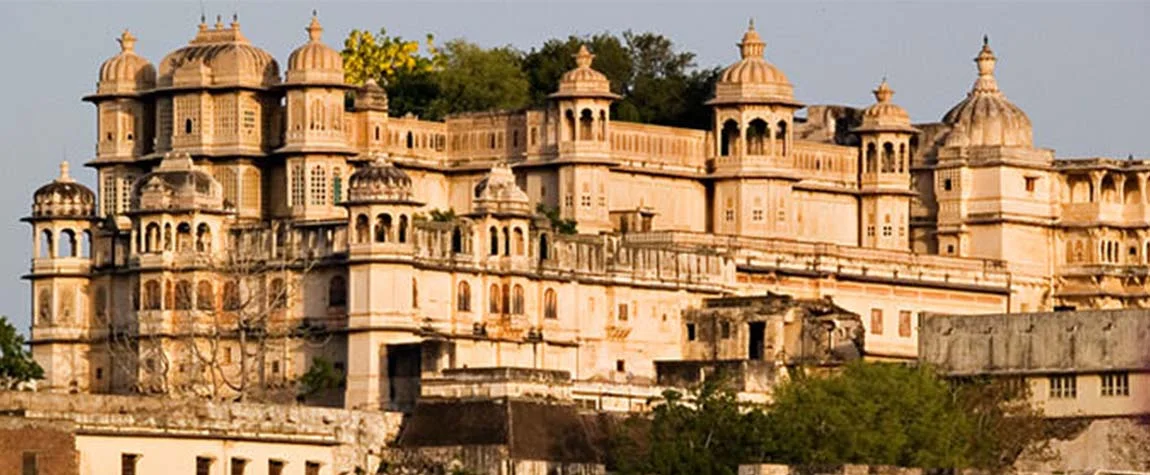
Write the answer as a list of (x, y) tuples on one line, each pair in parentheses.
[(218, 56), (583, 81), (497, 193), (315, 62), (986, 117), (177, 184), (63, 198), (126, 72), (753, 79), (380, 181), (884, 115)]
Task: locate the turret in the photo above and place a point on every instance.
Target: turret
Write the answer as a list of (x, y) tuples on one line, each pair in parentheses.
[(63, 213), (884, 174), (583, 105)]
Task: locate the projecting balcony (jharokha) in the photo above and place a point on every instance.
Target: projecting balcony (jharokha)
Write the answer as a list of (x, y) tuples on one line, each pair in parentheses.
[(60, 266)]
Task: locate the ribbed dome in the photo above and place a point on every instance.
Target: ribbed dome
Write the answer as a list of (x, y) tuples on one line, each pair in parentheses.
[(218, 56), (315, 62), (177, 184), (498, 193), (986, 117), (583, 81), (379, 181), (126, 72), (753, 79), (63, 198), (885, 116)]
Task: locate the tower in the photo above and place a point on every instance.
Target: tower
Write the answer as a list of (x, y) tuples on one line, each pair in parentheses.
[(315, 140), (383, 315), (124, 126), (754, 110), (63, 213), (884, 173), (583, 105)]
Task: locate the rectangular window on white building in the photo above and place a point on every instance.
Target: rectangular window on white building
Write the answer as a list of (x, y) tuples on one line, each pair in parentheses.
[(1063, 387), (1115, 384)]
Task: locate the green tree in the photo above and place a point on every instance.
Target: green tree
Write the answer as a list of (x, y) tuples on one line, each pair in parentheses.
[(404, 68), (560, 225), (705, 432), (545, 66), (320, 377), (16, 363), (478, 79)]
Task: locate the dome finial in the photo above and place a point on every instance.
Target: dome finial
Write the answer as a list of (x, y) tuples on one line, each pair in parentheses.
[(883, 92), (752, 44), (219, 22), (64, 176), (235, 21), (314, 29), (584, 57), (127, 41), (986, 61), (751, 24), (985, 40)]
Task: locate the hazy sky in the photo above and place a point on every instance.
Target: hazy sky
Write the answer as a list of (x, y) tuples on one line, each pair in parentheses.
[(1080, 70)]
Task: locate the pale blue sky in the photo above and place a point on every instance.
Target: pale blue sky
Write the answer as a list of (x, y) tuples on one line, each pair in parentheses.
[(1080, 70)]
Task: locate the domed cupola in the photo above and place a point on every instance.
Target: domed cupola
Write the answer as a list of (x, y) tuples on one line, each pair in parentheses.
[(218, 56), (986, 117), (380, 181), (497, 193), (315, 62), (584, 81), (177, 184), (63, 198), (127, 72), (884, 115), (753, 80)]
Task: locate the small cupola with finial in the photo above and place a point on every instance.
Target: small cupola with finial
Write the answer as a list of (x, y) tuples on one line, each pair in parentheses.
[(584, 100), (753, 80), (127, 72), (884, 136), (64, 198), (315, 62), (985, 117)]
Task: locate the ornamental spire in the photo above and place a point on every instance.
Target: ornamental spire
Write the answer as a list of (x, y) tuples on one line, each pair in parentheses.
[(883, 93), (64, 176), (314, 29), (127, 41), (985, 60), (752, 44), (584, 57)]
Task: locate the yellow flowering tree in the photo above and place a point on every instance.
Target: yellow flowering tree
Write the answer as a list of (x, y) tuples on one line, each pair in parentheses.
[(378, 56)]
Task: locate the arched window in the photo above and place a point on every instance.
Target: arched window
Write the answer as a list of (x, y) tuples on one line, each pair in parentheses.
[(67, 243), (377, 133), (86, 244), (205, 296), (414, 293), (169, 295), (570, 116), (517, 300), (463, 297), (550, 305), (494, 232), (277, 294), (602, 125), (187, 126), (781, 137), (888, 158), (297, 186), (183, 237), (203, 238), (519, 242), (456, 240), (729, 142), (403, 228), (586, 121), (152, 238), (493, 299), (183, 295), (362, 229), (901, 158), (231, 295), (757, 135), (506, 241), (44, 301), (337, 292), (167, 236), (46, 244), (382, 227), (544, 248), (318, 186), (410, 140), (871, 158), (151, 295), (505, 299)]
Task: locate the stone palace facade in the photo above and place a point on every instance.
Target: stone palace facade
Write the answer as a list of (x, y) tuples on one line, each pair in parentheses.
[(248, 222)]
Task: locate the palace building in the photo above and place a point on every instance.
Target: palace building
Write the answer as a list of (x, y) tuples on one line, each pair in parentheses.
[(251, 224)]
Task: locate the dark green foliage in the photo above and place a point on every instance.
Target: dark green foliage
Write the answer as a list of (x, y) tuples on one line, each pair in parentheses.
[(442, 216), (478, 79), (560, 225), (879, 414), (320, 377), (16, 363)]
